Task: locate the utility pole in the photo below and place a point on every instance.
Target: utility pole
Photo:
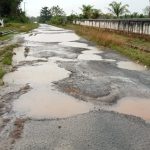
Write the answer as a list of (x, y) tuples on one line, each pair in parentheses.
[(149, 8), (24, 7)]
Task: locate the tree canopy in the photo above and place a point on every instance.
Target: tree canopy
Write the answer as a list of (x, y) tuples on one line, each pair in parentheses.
[(147, 11), (57, 11), (88, 12), (45, 14), (10, 8), (117, 9), (54, 15)]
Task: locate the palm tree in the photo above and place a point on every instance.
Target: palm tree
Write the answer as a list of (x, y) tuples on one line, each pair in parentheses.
[(87, 11), (96, 13), (118, 9)]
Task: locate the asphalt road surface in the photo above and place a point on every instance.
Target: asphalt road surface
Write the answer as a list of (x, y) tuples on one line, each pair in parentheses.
[(64, 93)]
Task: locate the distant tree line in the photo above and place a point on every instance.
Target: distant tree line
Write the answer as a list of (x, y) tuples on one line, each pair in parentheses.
[(10, 10), (56, 15), (53, 15)]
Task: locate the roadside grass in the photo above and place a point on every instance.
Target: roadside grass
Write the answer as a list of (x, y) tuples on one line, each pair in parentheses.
[(5, 37), (6, 54), (130, 46), (7, 59), (2, 72), (19, 27), (16, 28)]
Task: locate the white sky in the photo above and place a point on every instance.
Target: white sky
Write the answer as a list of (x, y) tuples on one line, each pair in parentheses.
[(33, 7)]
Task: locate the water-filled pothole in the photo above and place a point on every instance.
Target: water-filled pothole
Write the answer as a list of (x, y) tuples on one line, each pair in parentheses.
[(44, 103), (139, 107), (42, 74), (130, 66)]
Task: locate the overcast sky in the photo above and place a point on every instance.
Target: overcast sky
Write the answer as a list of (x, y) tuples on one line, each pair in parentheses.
[(33, 7)]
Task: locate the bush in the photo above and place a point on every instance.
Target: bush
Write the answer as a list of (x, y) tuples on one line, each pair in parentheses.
[(58, 20)]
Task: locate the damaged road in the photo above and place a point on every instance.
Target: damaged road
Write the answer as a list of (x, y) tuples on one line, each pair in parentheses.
[(64, 93)]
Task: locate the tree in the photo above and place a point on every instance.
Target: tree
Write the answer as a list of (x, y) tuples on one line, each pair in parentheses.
[(117, 9), (72, 17), (58, 15), (147, 11), (96, 13), (87, 11), (10, 8), (45, 15), (57, 11)]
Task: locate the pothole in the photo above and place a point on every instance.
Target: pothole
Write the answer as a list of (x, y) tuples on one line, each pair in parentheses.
[(135, 106), (130, 66), (43, 73), (45, 103)]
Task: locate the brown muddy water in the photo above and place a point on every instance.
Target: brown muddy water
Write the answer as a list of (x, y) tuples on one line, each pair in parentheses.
[(130, 66), (135, 106), (45, 102)]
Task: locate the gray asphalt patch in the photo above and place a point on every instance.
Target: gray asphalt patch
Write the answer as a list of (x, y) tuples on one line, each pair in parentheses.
[(93, 131)]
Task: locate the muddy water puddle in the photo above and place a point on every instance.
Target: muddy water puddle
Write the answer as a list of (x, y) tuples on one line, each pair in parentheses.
[(43, 73), (45, 103), (130, 66), (80, 45), (53, 37), (139, 107), (20, 56), (93, 55)]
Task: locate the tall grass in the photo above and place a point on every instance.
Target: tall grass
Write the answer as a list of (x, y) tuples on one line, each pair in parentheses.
[(6, 54)]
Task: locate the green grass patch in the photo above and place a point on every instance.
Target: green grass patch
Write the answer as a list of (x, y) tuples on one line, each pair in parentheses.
[(19, 27), (5, 37), (16, 28), (115, 41), (6, 54), (7, 59), (134, 54), (2, 72)]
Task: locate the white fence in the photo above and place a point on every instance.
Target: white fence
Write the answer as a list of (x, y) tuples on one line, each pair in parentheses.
[(138, 26)]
